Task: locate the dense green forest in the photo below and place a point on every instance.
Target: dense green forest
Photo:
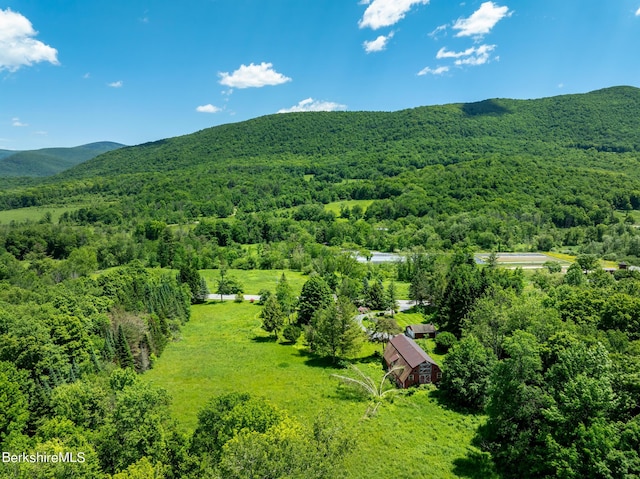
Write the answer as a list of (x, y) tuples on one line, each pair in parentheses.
[(545, 361)]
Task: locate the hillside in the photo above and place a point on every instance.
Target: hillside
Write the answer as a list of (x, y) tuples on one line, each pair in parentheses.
[(605, 120), (572, 159), (49, 161)]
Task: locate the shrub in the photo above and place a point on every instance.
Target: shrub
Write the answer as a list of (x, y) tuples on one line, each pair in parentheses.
[(291, 333), (444, 341)]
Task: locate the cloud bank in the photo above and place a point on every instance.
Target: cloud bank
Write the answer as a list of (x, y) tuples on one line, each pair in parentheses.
[(18, 48)]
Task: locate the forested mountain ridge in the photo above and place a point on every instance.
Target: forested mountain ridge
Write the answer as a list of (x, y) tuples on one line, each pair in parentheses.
[(569, 161), (605, 119), (49, 161)]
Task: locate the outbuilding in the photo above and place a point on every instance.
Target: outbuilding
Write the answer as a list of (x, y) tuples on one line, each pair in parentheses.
[(419, 331)]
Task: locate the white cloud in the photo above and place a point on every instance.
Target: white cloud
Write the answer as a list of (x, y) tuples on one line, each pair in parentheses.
[(16, 122), (314, 105), (384, 13), (444, 53), (436, 32), (18, 48), (116, 84), (253, 76), (638, 12), (378, 44), (471, 56), (208, 109), (481, 21), (433, 71)]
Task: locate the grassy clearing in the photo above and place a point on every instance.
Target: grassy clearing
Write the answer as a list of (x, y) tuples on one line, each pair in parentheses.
[(402, 288), (223, 349), (335, 206), (255, 280), (34, 213)]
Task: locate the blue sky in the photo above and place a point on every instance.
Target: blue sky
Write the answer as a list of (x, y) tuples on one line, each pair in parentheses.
[(131, 71)]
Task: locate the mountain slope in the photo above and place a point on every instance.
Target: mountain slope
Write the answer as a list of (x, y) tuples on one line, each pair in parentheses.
[(49, 161), (568, 160), (606, 120)]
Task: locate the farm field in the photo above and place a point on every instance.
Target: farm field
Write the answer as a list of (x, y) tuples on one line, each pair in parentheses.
[(223, 349), (525, 260)]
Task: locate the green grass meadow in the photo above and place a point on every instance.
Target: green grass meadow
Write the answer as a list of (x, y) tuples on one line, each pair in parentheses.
[(336, 205), (34, 213), (255, 280), (222, 349)]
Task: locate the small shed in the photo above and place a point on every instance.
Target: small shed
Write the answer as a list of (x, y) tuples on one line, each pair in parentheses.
[(416, 366), (419, 331)]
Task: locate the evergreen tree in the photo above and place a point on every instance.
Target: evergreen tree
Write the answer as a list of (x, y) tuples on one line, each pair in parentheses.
[(391, 298), (335, 332), (375, 296), (272, 316), (315, 295), (190, 276), (123, 352), (285, 296)]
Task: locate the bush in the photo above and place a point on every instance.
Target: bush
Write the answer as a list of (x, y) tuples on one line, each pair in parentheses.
[(239, 298), (291, 333), (444, 341), (553, 266), (264, 296)]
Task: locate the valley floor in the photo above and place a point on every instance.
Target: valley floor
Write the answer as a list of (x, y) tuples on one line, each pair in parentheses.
[(223, 349)]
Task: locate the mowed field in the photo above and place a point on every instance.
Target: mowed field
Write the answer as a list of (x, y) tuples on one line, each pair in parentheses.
[(223, 349), (255, 280)]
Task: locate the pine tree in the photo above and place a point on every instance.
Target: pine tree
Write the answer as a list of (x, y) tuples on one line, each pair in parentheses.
[(123, 352), (272, 316), (391, 298), (285, 296)]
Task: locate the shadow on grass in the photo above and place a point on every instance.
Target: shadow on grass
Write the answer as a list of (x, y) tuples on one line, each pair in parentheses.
[(375, 357), (319, 362), (264, 339), (445, 403), (475, 465)]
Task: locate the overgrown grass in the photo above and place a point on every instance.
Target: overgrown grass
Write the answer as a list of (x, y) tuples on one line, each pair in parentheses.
[(255, 280), (223, 349)]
